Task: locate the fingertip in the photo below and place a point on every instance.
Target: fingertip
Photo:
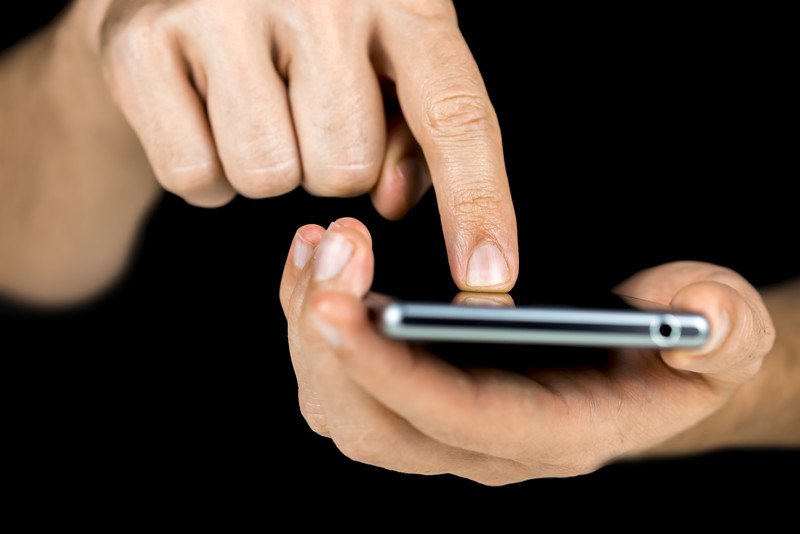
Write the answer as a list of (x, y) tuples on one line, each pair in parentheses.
[(401, 186), (343, 261), (355, 224), (305, 242), (721, 305), (415, 177), (389, 195), (405, 176), (312, 233)]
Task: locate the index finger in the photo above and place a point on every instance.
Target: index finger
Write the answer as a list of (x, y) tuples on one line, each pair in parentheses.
[(447, 107)]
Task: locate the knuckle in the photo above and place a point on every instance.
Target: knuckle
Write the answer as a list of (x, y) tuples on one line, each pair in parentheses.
[(498, 472), (314, 417), (129, 48), (476, 199), (190, 179), (364, 447), (494, 479), (490, 480), (443, 10), (325, 13), (458, 114), (127, 36), (564, 462), (456, 436), (573, 469), (272, 179), (318, 424), (343, 179), (260, 166)]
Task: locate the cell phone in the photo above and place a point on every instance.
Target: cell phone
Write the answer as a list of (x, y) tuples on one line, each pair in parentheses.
[(539, 325)]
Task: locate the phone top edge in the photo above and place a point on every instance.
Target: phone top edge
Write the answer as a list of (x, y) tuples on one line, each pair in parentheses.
[(543, 325)]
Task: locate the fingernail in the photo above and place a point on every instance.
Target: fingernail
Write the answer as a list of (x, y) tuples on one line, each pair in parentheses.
[(333, 253), (303, 250), (487, 267), (325, 329)]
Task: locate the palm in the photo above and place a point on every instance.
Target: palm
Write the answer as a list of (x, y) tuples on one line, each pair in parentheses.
[(629, 403)]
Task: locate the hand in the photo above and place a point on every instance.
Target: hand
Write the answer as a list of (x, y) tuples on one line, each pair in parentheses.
[(257, 97), (392, 405)]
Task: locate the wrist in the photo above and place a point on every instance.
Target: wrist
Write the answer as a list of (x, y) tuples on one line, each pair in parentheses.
[(74, 73), (83, 24), (78, 164), (83, 104)]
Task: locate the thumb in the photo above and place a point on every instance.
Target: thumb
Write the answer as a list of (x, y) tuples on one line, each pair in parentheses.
[(740, 333)]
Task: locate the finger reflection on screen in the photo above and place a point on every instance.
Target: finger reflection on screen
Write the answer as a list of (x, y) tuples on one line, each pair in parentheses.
[(497, 300)]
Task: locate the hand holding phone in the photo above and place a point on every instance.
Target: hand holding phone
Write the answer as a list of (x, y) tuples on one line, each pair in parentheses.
[(399, 406)]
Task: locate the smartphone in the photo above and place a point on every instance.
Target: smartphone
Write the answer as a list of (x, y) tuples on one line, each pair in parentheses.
[(539, 325)]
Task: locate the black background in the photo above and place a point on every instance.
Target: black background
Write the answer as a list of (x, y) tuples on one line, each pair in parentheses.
[(639, 125)]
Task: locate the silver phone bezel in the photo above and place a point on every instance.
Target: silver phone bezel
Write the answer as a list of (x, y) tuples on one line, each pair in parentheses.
[(584, 327)]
